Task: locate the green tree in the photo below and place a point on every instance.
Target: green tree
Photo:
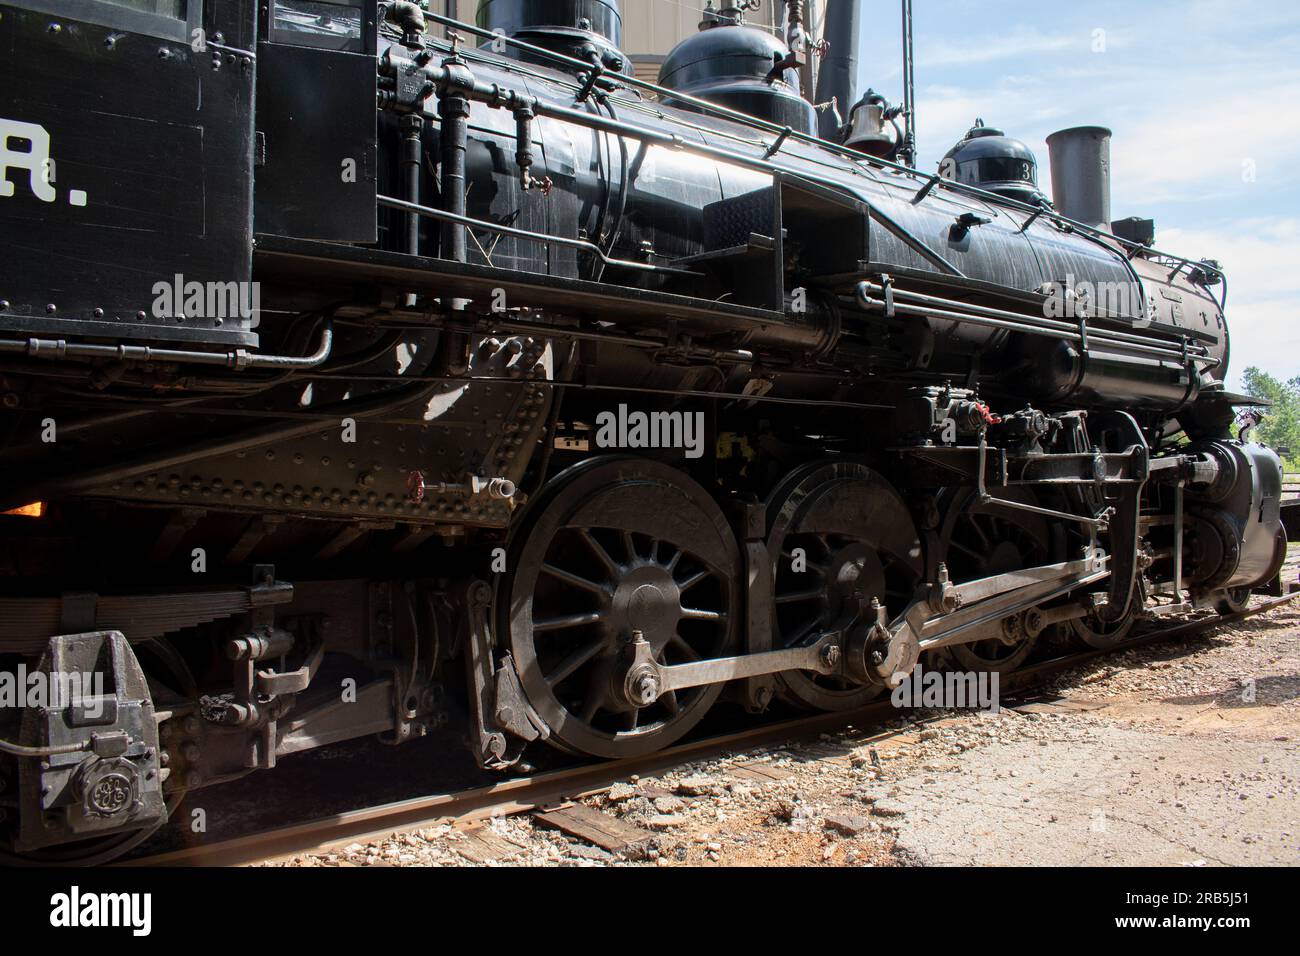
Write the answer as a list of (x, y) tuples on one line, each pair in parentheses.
[(1280, 428)]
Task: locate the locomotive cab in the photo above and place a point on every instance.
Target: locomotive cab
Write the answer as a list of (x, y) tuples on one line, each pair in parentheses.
[(126, 152)]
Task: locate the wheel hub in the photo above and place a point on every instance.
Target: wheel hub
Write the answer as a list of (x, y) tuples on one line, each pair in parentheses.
[(647, 599), (855, 574)]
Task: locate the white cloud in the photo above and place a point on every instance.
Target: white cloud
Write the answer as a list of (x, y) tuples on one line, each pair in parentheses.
[(938, 51), (1259, 256)]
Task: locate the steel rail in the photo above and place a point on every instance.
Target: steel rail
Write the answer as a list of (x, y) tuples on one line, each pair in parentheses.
[(523, 794)]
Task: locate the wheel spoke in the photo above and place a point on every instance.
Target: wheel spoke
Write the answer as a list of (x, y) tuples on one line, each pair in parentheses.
[(965, 550), (669, 700), (693, 580), (574, 661), (680, 643), (630, 721), (569, 620), (699, 614), (797, 637), (972, 522), (599, 551), (823, 542), (577, 580), (630, 547), (794, 597)]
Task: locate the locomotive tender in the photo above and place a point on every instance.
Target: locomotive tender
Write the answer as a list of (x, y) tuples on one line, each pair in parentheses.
[(308, 319)]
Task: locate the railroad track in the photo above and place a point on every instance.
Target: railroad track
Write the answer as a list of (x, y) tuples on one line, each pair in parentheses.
[(523, 794)]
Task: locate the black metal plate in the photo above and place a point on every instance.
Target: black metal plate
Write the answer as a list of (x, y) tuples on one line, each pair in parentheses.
[(316, 110)]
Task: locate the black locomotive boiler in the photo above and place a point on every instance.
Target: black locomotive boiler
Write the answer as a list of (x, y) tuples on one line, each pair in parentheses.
[(313, 326)]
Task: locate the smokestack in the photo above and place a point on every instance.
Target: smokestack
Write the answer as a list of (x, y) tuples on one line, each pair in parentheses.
[(839, 71), (1080, 160)]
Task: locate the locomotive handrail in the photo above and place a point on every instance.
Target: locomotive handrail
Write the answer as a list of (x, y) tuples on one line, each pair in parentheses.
[(1101, 334), (394, 203), (764, 126), (955, 311)]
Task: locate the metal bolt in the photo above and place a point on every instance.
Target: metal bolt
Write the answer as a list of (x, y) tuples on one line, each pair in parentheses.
[(646, 689), (831, 655)]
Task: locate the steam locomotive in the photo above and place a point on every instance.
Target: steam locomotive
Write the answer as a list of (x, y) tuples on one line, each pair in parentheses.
[(358, 381)]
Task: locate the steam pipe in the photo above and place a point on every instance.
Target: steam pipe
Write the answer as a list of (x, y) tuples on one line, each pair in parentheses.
[(237, 359), (839, 70), (908, 152), (412, 124), (453, 109)]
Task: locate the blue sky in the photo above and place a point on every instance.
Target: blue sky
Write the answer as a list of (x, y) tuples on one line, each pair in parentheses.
[(1204, 101)]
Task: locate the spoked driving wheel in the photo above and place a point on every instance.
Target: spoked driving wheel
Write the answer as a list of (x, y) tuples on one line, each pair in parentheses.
[(982, 540), (1233, 601), (617, 548), (838, 533), (1103, 635)]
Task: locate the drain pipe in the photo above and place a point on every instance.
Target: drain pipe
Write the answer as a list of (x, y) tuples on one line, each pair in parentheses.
[(56, 349)]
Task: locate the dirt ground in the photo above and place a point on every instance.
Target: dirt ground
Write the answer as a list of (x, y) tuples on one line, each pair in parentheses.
[(1172, 755)]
